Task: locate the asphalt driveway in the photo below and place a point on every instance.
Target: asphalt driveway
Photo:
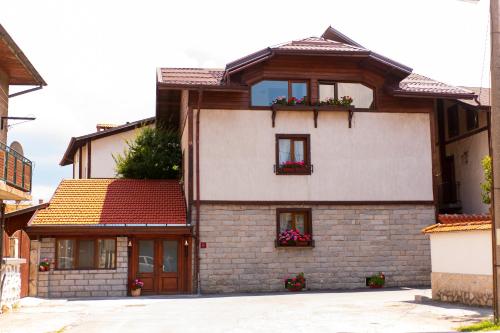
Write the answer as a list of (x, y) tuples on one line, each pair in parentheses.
[(356, 311)]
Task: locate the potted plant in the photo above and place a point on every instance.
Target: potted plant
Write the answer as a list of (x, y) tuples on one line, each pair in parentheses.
[(291, 166), (296, 283), (376, 280), (293, 237), (346, 100), (44, 265), (280, 100), (136, 287)]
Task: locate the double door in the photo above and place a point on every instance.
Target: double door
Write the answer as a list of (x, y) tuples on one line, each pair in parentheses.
[(161, 264)]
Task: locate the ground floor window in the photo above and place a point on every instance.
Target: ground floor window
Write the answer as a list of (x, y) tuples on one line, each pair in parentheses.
[(294, 227), (84, 253)]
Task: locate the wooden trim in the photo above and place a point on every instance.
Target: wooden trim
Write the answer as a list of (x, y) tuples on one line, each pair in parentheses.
[(313, 202), (190, 163), (80, 163), (432, 125), (307, 153), (76, 250), (89, 159), (308, 227), (466, 135), (57, 230)]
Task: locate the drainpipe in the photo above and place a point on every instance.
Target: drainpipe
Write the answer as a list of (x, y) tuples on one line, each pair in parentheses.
[(2, 228), (198, 280)]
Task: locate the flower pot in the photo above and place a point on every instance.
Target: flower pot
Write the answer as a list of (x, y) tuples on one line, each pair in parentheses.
[(135, 292), (301, 243), (376, 286), (43, 268)]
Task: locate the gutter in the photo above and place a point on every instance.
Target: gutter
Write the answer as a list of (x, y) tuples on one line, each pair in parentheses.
[(25, 91)]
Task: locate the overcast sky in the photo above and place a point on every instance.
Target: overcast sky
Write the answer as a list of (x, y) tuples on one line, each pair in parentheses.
[(99, 57)]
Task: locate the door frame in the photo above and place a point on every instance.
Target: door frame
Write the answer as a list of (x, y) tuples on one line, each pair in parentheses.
[(184, 261)]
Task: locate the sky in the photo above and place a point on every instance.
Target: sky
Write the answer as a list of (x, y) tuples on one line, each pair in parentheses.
[(99, 58)]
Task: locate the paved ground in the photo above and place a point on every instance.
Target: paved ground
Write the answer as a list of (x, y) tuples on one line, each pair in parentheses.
[(359, 311)]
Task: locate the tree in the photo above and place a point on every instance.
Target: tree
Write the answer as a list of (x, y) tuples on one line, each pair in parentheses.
[(154, 154), (488, 176)]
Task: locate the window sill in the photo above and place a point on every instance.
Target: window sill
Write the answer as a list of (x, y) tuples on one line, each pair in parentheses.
[(309, 244)]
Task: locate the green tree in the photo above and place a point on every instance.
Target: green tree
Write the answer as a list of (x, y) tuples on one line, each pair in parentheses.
[(488, 179), (154, 154)]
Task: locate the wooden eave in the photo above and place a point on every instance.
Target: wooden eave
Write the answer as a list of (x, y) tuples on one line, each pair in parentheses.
[(15, 63), (60, 230)]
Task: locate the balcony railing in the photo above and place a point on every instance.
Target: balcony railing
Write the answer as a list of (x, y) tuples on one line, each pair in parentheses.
[(15, 169)]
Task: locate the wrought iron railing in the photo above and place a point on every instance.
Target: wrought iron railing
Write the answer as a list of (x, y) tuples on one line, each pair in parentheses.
[(15, 169)]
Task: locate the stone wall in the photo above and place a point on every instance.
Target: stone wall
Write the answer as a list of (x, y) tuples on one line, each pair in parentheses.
[(11, 290), (83, 283), (351, 243), (470, 289)]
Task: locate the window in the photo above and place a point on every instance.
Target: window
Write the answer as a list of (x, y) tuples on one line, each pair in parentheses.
[(452, 118), (86, 253), (294, 227), (293, 154), (362, 95), (472, 119), (265, 92)]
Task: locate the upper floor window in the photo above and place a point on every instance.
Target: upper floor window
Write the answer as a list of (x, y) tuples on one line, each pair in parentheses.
[(293, 154), (452, 120), (265, 92), (361, 95), (472, 119)]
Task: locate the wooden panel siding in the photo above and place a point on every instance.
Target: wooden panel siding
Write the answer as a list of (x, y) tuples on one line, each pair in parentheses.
[(314, 69)]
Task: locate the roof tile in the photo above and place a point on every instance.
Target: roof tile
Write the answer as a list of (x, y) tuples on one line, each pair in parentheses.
[(114, 201)]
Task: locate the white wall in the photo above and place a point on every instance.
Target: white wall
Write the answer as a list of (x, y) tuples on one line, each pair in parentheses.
[(384, 156), (102, 151), (465, 252), (468, 154)]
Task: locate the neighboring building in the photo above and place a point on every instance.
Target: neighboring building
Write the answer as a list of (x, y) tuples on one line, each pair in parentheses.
[(362, 182), (91, 155), (15, 169), (463, 129), (461, 260)]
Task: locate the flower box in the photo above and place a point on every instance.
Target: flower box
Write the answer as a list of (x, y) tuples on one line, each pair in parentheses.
[(296, 107), (296, 283)]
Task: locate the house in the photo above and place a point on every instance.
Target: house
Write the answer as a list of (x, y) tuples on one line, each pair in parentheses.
[(272, 142), (91, 155), (319, 135), (15, 169)]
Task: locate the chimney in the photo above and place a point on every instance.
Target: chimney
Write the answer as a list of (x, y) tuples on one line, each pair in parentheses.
[(103, 127)]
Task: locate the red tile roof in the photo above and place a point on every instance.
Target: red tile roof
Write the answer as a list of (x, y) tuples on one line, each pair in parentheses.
[(319, 44), (419, 84), (191, 76), (461, 226), (483, 96), (459, 218), (114, 201)]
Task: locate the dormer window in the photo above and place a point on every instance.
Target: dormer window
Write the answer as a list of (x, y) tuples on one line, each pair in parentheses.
[(361, 95), (265, 92)]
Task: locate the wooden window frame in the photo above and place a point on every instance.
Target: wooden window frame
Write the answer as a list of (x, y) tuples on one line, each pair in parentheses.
[(475, 115), (308, 228), (307, 170), (290, 81), (76, 241), (336, 91)]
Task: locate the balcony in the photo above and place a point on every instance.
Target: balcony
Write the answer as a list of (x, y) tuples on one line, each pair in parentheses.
[(15, 175)]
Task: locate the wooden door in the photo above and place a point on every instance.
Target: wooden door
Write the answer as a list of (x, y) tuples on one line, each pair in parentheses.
[(159, 264), (449, 182)]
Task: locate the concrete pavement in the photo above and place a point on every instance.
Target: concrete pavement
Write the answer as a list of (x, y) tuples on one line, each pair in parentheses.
[(355, 311)]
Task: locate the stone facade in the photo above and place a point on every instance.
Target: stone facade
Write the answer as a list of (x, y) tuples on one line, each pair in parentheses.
[(83, 283), (351, 243), (11, 291), (470, 289)]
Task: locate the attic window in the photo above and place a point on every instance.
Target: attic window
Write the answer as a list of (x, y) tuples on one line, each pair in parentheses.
[(362, 95), (265, 92)]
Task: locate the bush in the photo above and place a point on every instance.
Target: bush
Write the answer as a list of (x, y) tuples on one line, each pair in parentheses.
[(154, 154), (486, 185)]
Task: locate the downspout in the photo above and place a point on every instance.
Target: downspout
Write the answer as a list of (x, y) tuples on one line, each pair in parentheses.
[(2, 227), (198, 280)]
